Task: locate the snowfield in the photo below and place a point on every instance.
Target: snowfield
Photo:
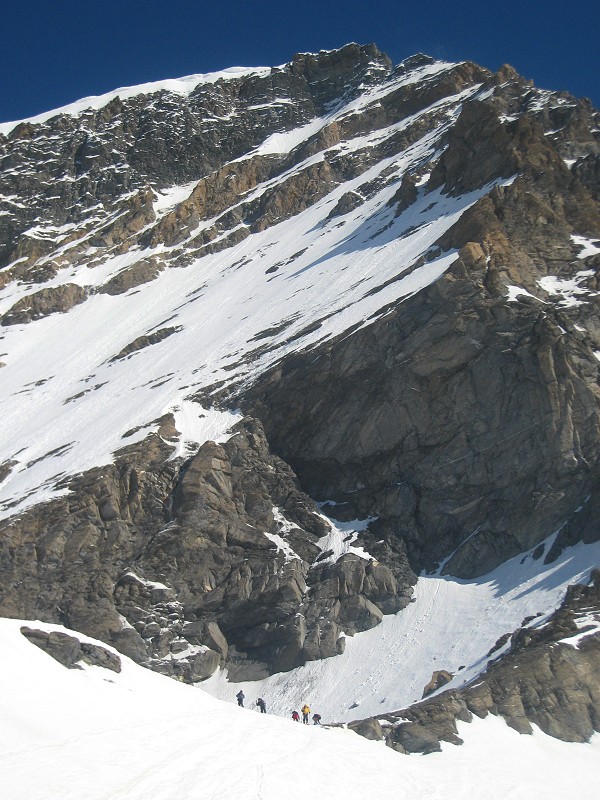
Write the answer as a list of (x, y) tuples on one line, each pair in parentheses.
[(67, 404), (92, 734)]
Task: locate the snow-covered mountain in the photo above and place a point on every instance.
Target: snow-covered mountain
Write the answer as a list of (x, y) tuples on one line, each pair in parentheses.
[(300, 388), (229, 315)]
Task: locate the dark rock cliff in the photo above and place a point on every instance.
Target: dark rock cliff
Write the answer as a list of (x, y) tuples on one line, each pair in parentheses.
[(158, 558), (466, 420)]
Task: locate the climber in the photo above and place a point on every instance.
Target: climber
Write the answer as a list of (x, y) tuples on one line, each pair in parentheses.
[(316, 718), (305, 712), (295, 716), (262, 705), (240, 698)]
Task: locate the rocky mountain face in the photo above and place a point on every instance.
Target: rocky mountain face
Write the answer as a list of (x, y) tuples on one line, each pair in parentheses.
[(383, 279)]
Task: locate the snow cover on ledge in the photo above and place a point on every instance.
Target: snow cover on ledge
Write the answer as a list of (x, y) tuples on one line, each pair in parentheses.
[(91, 734)]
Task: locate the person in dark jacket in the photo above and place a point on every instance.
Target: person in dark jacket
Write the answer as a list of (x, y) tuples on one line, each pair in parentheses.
[(262, 705), (316, 718), (240, 698)]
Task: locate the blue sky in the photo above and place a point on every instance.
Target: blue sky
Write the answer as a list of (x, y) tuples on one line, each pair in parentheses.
[(57, 51)]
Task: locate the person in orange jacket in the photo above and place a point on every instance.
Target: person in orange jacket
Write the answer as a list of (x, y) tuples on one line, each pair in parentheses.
[(305, 712)]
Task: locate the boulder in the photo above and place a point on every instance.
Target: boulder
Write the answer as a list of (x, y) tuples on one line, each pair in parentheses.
[(70, 651), (204, 664), (438, 679), (414, 738), (369, 728)]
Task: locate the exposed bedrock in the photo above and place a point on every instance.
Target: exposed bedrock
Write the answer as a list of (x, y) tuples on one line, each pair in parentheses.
[(446, 421), (46, 301), (70, 651), (170, 562), (165, 139), (464, 421)]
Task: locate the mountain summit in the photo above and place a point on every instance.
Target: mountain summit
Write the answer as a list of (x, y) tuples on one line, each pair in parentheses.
[(278, 341)]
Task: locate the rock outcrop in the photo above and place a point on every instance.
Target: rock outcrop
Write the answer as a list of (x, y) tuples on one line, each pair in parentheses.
[(44, 302), (464, 405), (70, 651), (214, 561)]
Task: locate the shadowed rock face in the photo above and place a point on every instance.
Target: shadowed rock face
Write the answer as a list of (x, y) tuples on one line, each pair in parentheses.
[(462, 422), (466, 422), (456, 415)]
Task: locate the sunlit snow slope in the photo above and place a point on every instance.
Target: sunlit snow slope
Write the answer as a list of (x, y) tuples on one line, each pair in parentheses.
[(227, 316), (94, 734)]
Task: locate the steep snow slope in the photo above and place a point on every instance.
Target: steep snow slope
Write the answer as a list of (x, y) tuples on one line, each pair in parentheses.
[(227, 317), (96, 735), (451, 625)]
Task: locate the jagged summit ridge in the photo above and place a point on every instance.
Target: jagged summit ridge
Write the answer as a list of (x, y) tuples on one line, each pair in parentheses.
[(182, 86), (301, 63)]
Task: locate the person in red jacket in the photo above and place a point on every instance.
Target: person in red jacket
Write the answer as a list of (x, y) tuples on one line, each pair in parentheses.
[(295, 716)]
